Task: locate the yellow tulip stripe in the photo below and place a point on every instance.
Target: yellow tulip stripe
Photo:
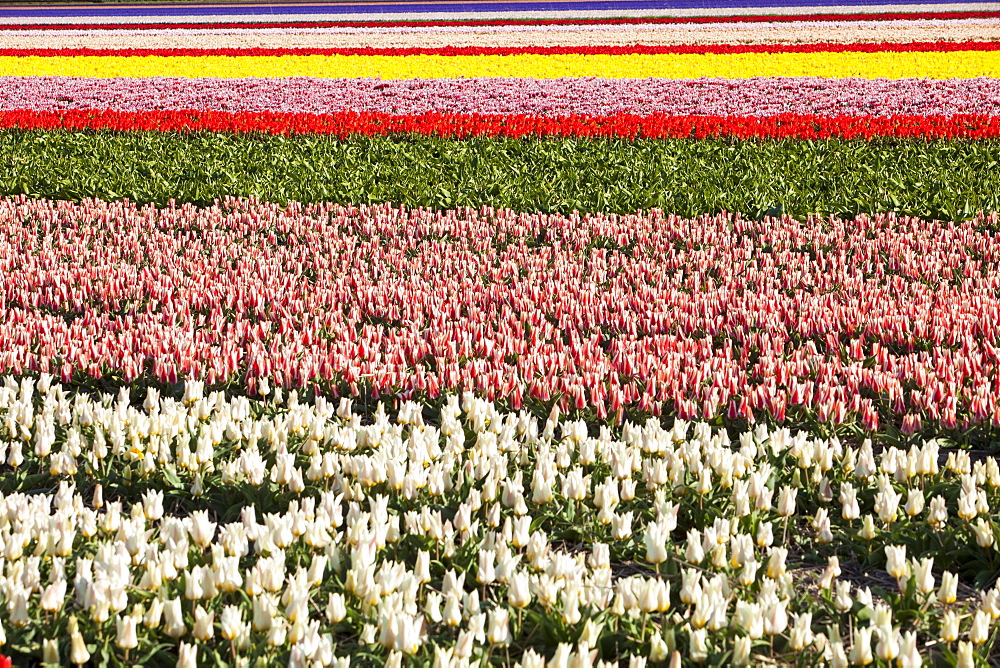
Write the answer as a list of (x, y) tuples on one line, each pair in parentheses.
[(926, 64)]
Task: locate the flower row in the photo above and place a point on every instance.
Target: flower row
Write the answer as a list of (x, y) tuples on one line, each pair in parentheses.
[(388, 537), (527, 34), (371, 123), (836, 321), (118, 24), (581, 50), (927, 64), (514, 96)]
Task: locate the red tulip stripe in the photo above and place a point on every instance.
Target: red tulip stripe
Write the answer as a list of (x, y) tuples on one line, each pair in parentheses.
[(660, 126), (820, 47), (749, 18)]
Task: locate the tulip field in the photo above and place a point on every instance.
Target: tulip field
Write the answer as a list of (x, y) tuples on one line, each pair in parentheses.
[(563, 334)]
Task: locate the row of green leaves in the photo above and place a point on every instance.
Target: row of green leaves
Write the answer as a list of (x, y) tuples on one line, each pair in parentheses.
[(932, 179)]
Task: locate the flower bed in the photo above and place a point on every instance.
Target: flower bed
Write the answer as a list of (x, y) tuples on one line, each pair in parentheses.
[(518, 338)]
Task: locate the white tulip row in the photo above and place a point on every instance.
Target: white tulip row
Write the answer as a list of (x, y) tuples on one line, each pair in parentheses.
[(478, 534)]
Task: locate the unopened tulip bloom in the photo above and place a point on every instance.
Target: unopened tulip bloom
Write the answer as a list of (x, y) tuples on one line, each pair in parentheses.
[(694, 552), (776, 562), (895, 561), (591, 633), (698, 650), (78, 652), (499, 627), (979, 632), (990, 603), (861, 652), (187, 655), (923, 573), (765, 535), (776, 617), (656, 538), (786, 501), (965, 657), (748, 617), (842, 597), (914, 502), (173, 624), (909, 655), (850, 510), (657, 648), (887, 647), (948, 592), (838, 656), (937, 515), (867, 528), (518, 591), (831, 571), (203, 624), (231, 622), (50, 652), (741, 651), (983, 531), (336, 608), (690, 585), (949, 627), (125, 637)]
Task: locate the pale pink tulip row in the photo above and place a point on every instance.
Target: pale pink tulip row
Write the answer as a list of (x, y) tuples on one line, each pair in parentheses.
[(546, 97), (715, 315), (820, 27)]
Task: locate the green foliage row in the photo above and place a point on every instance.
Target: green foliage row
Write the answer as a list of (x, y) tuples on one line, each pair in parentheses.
[(931, 179)]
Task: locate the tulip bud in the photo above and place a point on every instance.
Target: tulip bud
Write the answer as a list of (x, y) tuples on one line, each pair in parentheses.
[(776, 562), (765, 534), (518, 592), (965, 657), (741, 651), (187, 656), (499, 631), (786, 501), (831, 571), (867, 528), (336, 608), (126, 637), (887, 647), (50, 652), (983, 531), (948, 592), (173, 618), (895, 561), (698, 649), (980, 630), (842, 597), (949, 627), (656, 538), (861, 652), (776, 617), (78, 653), (924, 575), (914, 502), (657, 648), (801, 634), (203, 624)]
